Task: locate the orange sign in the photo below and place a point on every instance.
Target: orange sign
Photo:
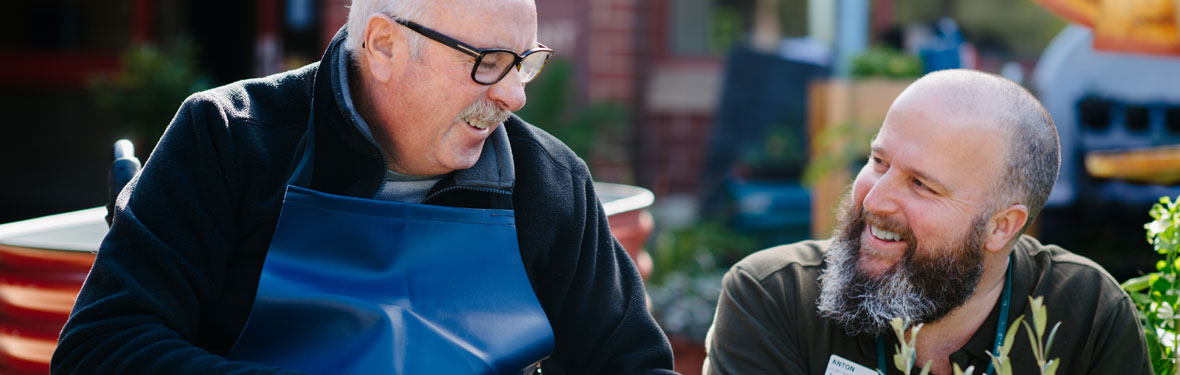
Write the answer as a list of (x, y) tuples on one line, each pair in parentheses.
[(1143, 26)]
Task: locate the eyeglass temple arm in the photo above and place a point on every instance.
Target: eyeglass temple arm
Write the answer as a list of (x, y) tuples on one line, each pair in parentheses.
[(439, 37)]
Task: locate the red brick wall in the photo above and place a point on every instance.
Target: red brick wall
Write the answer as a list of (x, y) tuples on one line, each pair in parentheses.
[(663, 151), (673, 141), (611, 76), (674, 147), (612, 50), (334, 15), (666, 147)]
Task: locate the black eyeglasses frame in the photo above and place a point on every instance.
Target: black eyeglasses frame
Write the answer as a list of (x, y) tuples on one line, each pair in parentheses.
[(478, 53)]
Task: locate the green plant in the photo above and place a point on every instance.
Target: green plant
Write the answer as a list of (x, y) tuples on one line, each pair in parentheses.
[(1041, 348), (144, 94), (689, 263), (552, 108), (1156, 294), (727, 28), (1000, 360), (907, 349), (684, 303), (701, 247), (886, 62), (779, 155), (843, 144)]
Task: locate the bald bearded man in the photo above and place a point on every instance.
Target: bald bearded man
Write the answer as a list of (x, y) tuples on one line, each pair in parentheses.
[(931, 229)]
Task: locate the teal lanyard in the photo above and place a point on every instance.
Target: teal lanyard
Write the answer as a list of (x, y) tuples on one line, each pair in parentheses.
[(1000, 330)]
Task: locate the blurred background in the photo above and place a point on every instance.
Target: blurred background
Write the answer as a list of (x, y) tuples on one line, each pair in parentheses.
[(744, 118)]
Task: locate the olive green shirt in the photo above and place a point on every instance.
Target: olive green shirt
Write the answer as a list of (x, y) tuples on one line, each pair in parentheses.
[(767, 321)]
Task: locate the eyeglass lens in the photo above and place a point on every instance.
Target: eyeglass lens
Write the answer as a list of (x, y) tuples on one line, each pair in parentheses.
[(495, 64)]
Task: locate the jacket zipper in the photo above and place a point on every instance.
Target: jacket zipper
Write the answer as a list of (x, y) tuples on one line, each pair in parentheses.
[(472, 188)]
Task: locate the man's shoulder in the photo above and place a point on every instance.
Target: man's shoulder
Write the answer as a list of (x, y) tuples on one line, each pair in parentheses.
[(807, 256), (1055, 255), (1066, 268), (275, 100), (1081, 295)]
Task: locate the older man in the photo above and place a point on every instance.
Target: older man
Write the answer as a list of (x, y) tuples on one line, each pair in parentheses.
[(931, 230), (380, 212)]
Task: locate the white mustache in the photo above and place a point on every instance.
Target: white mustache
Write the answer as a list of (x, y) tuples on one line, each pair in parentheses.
[(484, 111)]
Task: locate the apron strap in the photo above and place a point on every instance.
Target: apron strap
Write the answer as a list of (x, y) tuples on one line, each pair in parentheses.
[(303, 171)]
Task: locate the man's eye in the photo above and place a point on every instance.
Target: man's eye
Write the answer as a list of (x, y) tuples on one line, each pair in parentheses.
[(921, 185), (878, 162)]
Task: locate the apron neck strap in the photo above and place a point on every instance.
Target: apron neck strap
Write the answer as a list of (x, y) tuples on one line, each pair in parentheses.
[(303, 171)]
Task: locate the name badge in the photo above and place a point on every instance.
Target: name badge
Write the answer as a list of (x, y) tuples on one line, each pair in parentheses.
[(841, 366)]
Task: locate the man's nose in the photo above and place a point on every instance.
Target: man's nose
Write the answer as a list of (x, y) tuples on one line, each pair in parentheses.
[(508, 93), (882, 198)]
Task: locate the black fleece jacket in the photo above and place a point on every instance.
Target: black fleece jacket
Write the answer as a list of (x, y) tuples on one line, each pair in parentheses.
[(175, 277)]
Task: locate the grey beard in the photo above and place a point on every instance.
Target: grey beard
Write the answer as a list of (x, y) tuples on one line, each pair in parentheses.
[(861, 304), (924, 290)]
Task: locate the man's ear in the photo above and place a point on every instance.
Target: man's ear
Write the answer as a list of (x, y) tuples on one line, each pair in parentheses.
[(380, 47), (1004, 226)]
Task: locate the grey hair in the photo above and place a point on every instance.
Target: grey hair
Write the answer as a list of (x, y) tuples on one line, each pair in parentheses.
[(360, 11), (1033, 154), (1034, 150)]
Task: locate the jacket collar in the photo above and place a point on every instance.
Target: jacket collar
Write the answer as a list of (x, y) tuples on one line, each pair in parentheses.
[(342, 161)]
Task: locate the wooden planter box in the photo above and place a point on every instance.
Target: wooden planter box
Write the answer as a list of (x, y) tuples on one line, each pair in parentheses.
[(859, 108)]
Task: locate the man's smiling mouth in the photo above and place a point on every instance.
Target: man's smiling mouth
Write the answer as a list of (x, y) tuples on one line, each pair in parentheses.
[(883, 235), (481, 125)]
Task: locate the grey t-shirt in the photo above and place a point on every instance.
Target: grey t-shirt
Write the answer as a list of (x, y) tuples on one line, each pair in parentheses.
[(406, 188)]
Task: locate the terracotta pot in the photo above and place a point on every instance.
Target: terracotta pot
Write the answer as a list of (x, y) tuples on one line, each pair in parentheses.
[(631, 223), (689, 355)]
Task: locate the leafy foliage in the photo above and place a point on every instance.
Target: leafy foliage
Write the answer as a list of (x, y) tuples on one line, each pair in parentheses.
[(144, 95), (780, 153), (551, 107), (1041, 348), (1000, 360), (886, 62), (702, 247), (1156, 294), (907, 352), (843, 144), (686, 279)]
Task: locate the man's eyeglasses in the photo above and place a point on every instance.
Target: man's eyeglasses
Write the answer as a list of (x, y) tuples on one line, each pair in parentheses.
[(491, 64)]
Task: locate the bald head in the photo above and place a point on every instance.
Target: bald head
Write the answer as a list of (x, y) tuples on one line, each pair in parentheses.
[(1031, 154), (419, 11)]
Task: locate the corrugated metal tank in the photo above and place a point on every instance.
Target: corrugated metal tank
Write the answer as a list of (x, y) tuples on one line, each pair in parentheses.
[(43, 263)]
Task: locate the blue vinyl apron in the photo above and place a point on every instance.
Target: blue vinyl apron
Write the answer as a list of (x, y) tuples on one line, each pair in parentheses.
[(363, 286)]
